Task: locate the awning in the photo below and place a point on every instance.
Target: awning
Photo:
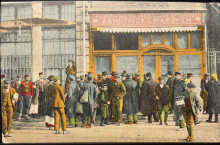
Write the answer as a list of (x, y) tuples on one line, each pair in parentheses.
[(144, 30)]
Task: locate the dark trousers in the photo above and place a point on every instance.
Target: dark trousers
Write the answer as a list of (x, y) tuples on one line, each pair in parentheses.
[(155, 116), (110, 111), (42, 104), (24, 104), (210, 116)]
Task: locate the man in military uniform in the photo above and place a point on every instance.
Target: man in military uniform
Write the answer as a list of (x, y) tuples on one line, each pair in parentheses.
[(139, 85), (163, 96), (57, 100), (7, 103), (70, 70), (170, 82), (118, 92), (2, 80), (204, 93)]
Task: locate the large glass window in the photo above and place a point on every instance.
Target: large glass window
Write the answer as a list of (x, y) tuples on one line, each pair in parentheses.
[(189, 64), (103, 64), (7, 13), (126, 41), (145, 39), (157, 37), (102, 41), (182, 39), (24, 12), (195, 39), (169, 39), (149, 65), (128, 63)]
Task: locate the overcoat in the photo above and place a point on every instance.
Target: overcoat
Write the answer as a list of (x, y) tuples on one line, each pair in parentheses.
[(72, 98), (130, 101), (49, 109), (147, 96), (56, 96), (213, 102)]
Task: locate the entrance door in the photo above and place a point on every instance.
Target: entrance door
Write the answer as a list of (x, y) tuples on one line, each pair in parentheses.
[(149, 64)]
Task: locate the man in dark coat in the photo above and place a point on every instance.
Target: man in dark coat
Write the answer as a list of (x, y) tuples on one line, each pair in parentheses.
[(204, 93), (213, 89), (70, 70), (130, 101), (124, 77), (170, 84), (148, 99), (72, 98), (88, 108), (16, 84), (179, 86), (139, 85)]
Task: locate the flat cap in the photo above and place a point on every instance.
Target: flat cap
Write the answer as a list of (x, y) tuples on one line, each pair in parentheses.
[(189, 74), (161, 78), (56, 78), (26, 76), (177, 73), (113, 73), (41, 73), (191, 85), (207, 75), (130, 74), (50, 78)]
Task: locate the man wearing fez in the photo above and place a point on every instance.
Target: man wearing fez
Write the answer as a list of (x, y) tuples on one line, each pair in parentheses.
[(26, 92), (139, 85), (148, 99), (57, 100), (204, 93), (2, 80), (7, 102), (179, 86), (88, 108), (42, 101), (70, 70), (163, 96), (170, 84), (118, 92), (130, 101), (189, 77)]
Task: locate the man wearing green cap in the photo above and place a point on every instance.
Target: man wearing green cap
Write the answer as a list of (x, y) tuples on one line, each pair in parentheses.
[(163, 97), (57, 100), (118, 92)]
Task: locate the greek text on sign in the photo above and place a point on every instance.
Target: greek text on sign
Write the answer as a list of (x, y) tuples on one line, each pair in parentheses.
[(146, 19)]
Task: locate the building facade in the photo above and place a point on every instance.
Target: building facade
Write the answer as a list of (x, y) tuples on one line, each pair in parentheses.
[(107, 36)]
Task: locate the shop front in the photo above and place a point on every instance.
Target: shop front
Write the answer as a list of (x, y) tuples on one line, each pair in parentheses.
[(147, 42)]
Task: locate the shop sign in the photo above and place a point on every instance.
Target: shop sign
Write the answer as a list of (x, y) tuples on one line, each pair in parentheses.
[(146, 19)]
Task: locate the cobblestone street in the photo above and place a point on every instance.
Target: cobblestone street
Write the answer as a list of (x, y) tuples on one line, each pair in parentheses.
[(35, 131)]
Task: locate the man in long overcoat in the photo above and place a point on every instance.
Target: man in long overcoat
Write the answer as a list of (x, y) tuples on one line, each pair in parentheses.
[(130, 101), (139, 85), (148, 99), (204, 93), (170, 84), (213, 89), (88, 108), (72, 98)]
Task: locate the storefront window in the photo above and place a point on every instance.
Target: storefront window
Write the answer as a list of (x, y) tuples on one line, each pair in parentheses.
[(126, 41), (102, 41), (157, 38), (149, 65), (169, 39), (189, 64), (195, 39), (182, 39), (128, 63), (103, 64), (146, 39)]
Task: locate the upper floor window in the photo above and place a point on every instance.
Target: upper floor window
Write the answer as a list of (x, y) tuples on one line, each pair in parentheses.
[(195, 39), (182, 39)]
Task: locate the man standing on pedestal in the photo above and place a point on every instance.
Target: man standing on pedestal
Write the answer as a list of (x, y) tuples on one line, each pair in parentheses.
[(42, 101), (70, 70)]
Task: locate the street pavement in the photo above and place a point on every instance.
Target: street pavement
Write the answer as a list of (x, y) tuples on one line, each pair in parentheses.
[(34, 131)]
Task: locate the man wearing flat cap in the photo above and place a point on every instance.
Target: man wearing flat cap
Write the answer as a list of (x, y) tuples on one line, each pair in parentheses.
[(204, 93), (26, 92), (148, 99), (42, 101), (179, 86), (49, 118), (7, 102), (70, 70), (57, 101), (163, 97), (190, 109), (118, 92), (2, 80), (170, 84)]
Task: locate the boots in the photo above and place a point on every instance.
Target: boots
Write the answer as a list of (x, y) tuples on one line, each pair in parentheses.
[(216, 118), (156, 118), (188, 130), (102, 122), (106, 121), (191, 133), (210, 118), (150, 118), (19, 117)]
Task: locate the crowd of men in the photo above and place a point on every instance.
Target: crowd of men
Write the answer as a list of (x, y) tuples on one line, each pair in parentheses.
[(109, 95)]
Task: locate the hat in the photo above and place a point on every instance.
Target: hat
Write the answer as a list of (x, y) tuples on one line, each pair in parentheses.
[(104, 73), (189, 75), (89, 73), (26, 76), (50, 78), (72, 77), (117, 76), (57, 78), (34, 83), (41, 73), (129, 75), (207, 75), (170, 73), (161, 78), (18, 76), (177, 73), (82, 77), (191, 85), (149, 74), (113, 73), (124, 71), (70, 61), (124, 74), (104, 85), (2, 76), (137, 74), (7, 82), (90, 77)]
